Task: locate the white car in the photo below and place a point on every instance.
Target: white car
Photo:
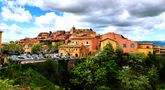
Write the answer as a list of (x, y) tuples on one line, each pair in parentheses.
[(12, 57), (20, 58)]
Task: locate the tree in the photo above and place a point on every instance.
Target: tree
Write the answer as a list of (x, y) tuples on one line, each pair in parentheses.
[(97, 73), (132, 81), (12, 49), (7, 84), (120, 57), (53, 48), (138, 76), (26, 77), (36, 49)]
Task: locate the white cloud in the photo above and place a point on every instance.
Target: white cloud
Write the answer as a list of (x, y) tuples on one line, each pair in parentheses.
[(16, 13), (64, 22), (47, 20), (68, 20), (14, 32), (10, 33), (3, 26), (133, 19)]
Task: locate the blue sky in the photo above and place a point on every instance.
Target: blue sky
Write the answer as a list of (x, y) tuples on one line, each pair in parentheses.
[(137, 20)]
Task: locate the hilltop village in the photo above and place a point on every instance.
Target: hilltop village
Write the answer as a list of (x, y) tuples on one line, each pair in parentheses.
[(83, 42), (81, 59)]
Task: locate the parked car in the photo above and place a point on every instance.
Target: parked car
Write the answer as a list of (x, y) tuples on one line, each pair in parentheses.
[(29, 56), (1, 65), (56, 56), (35, 56), (41, 56), (12, 57), (65, 57), (20, 58)]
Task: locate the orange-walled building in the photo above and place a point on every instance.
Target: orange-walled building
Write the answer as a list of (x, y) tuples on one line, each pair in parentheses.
[(85, 37), (43, 35), (60, 35), (91, 42), (75, 31), (145, 48), (28, 43), (124, 43)]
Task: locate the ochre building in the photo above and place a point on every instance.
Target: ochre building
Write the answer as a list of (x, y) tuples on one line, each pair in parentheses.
[(73, 51)]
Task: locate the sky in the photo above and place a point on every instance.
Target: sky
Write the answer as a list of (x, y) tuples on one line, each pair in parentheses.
[(137, 20)]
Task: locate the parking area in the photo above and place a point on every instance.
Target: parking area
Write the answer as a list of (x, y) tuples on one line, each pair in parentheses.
[(37, 57)]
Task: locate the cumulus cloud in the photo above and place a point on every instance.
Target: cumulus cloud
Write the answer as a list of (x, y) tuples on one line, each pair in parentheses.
[(13, 12), (46, 20), (15, 32), (10, 33), (122, 16), (64, 22), (125, 17)]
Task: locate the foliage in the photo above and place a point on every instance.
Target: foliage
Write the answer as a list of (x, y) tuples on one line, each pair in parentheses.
[(53, 48), (12, 49), (97, 73), (115, 70), (24, 76), (120, 58), (109, 70), (132, 81), (7, 84), (36, 49), (55, 72)]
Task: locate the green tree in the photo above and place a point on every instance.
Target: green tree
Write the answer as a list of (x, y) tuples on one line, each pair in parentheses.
[(96, 73), (130, 80), (12, 49), (137, 75), (7, 84), (120, 58), (53, 48), (25, 77), (36, 49)]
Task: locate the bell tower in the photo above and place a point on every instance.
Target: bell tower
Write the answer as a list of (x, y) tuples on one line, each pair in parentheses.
[(72, 30)]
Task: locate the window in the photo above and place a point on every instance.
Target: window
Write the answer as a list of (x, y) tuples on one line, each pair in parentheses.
[(82, 54), (147, 47), (76, 55), (61, 54), (132, 45), (76, 49), (124, 45), (87, 42)]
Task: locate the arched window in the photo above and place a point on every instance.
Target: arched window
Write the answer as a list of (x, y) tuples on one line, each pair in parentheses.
[(147, 47), (76, 55), (132, 45)]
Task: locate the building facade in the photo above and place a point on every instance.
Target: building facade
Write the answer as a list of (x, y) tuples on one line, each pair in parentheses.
[(121, 41), (73, 51), (128, 46)]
